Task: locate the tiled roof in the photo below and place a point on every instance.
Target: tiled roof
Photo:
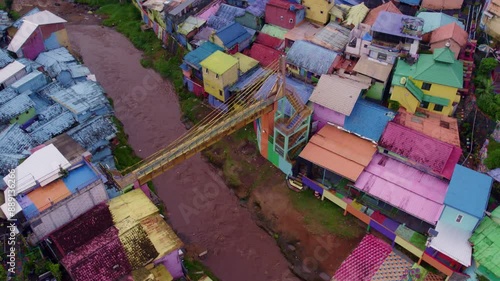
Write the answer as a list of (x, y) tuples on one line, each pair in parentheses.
[(336, 93), (264, 54), (310, 57), (15, 107), (368, 119), (433, 20), (373, 14), (139, 249), (133, 204), (410, 190), (424, 151), (332, 36), (82, 229), (161, 235), (93, 132), (469, 191), (232, 34), (450, 31)]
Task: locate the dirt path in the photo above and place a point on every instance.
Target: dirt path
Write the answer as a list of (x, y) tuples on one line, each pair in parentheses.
[(201, 208)]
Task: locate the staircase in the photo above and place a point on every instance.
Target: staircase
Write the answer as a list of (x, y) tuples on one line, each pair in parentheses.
[(288, 125), (467, 58)]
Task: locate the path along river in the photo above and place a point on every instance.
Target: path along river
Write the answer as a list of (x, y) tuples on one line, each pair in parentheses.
[(200, 206)]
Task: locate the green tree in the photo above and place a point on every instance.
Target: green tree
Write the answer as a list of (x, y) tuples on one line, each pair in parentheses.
[(487, 65), (493, 159)]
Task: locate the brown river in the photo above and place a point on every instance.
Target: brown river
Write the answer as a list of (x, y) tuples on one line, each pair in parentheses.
[(201, 208)]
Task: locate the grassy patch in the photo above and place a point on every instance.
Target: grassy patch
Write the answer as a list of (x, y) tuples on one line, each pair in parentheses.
[(231, 172), (325, 217), (418, 240), (196, 270), (123, 152), (246, 133)]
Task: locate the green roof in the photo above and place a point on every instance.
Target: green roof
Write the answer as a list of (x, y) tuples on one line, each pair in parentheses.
[(486, 240), (274, 31), (219, 62), (436, 100), (414, 90), (434, 68)]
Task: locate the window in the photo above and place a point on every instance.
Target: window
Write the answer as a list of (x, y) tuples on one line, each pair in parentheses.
[(438, 107), (220, 93), (426, 86), (290, 20), (281, 17), (409, 41), (321, 11), (424, 104), (365, 46), (444, 124), (206, 70), (386, 151), (382, 56), (216, 75), (459, 218), (308, 8)]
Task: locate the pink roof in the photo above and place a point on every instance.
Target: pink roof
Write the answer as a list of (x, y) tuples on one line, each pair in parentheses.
[(415, 192), (420, 149), (364, 261), (211, 10), (264, 54), (270, 41)]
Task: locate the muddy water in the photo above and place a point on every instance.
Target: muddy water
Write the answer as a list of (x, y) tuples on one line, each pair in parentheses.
[(200, 207)]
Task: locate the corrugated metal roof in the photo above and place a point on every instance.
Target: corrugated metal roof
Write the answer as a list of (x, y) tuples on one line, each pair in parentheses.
[(411, 2), (368, 119), (356, 15), (93, 132), (373, 69), (219, 62), (54, 127), (313, 58), (50, 89), (43, 18), (270, 41), (81, 97), (27, 28), (197, 55), (133, 204), (224, 16), (336, 93), (274, 31), (17, 23), (332, 36), (433, 20), (7, 162), (392, 24), (453, 241), (78, 70), (54, 56), (257, 8), (232, 34), (429, 153), (486, 241), (30, 64), (10, 70), (161, 235), (15, 107), (6, 95), (248, 79), (264, 54), (190, 24), (32, 81), (5, 59), (13, 140), (340, 152), (469, 191), (415, 192)]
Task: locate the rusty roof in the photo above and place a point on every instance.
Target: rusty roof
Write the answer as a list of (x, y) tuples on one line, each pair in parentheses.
[(304, 31), (340, 152), (432, 124)]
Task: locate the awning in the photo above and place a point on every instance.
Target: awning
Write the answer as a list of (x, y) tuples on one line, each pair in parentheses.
[(340, 152), (453, 242)]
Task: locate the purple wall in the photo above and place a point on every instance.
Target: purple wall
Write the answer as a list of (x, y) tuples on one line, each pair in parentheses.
[(324, 115), (312, 185), (34, 45), (172, 262), (380, 228)]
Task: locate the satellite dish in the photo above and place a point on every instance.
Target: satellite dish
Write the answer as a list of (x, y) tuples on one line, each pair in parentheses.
[(402, 81)]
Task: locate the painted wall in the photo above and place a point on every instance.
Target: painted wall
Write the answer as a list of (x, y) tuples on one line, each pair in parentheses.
[(318, 10), (215, 84), (24, 117), (250, 20), (408, 101), (324, 115), (450, 214), (283, 17), (375, 55), (33, 46)]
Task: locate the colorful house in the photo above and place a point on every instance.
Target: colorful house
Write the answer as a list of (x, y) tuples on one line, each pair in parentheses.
[(177, 11), (225, 15), (486, 244), (309, 61), (233, 38), (254, 15), (359, 40), (220, 71), (423, 85), (192, 70), (284, 14), (334, 99), (188, 29), (11, 73), (419, 150), (377, 72), (368, 120), (317, 10), (274, 31), (490, 20), (433, 20), (19, 109), (39, 32), (265, 55), (245, 63), (304, 31), (372, 16), (465, 206), (451, 35), (155, 11), (333, 37), (439, 5), (394, 34)]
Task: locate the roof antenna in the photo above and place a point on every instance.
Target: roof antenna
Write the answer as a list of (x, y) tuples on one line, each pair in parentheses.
[(447, 44)]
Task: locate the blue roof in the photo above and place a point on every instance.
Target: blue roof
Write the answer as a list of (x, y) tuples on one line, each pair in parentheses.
[(233, 34), (311, 57), (15, 107), (53, 127), (81, 97), (31, 81), (6, 95), (469, 191), (224, 16), (13, 140), (434, 20), (411, 2), (368, 119), (30, 64), (5, 59), (196, 56), (93, 133), (54, 56)]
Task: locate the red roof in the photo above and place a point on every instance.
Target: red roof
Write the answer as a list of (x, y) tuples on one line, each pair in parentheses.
[(285, 4), (103, 259), (82, 229), (264, 54), (270, 41), (433, 154)]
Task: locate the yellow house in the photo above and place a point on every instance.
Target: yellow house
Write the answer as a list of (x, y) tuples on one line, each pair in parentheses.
[(220, 71), (318, 10), (431, 83)]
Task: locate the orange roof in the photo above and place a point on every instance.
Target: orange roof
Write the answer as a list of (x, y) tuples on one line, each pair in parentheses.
[(441, 4), (44, 196), (340, 152), (435, 125), (450, 31), (304, 31), (373, 14)]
